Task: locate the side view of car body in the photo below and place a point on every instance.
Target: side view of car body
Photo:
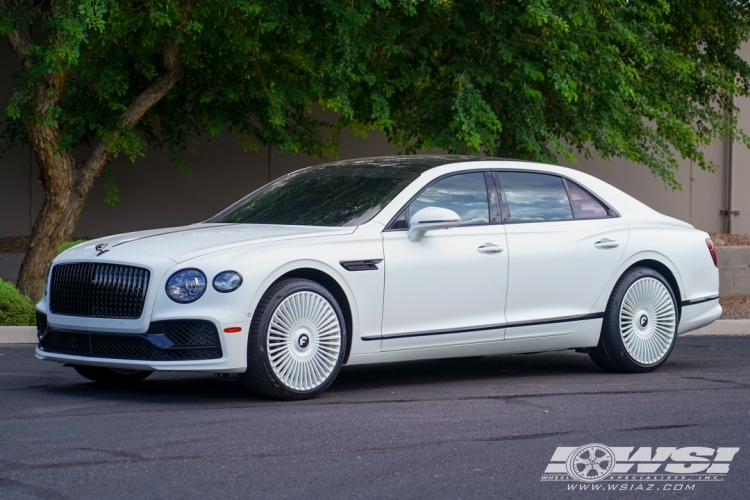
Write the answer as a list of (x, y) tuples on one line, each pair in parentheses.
[(379, 260)]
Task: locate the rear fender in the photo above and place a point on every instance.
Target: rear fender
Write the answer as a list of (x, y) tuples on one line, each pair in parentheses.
[(601, 303)]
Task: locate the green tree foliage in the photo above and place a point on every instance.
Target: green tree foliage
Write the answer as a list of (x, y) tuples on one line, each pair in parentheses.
[(544, 79), (536, 79), (15, 309)]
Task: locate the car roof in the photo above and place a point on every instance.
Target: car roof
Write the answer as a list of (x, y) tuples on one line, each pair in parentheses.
[(417, 164)]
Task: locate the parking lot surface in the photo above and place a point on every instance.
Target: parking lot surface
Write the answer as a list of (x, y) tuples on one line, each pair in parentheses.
[(466, 428)]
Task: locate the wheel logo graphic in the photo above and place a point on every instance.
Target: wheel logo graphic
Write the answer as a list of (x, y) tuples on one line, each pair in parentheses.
[(644, 321), (303, 340), (590, 463)]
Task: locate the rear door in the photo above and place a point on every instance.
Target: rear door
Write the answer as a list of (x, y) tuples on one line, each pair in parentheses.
[(563, 247)]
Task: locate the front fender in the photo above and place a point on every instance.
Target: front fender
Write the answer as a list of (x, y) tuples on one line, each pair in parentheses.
[(296, 265)]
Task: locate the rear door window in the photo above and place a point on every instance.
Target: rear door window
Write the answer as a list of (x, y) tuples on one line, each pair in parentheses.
[(533, 197)]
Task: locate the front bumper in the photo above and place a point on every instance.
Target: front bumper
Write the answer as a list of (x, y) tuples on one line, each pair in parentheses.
[(127, 351)]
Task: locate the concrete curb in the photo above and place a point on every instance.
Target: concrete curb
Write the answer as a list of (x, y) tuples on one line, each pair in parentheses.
[(722, 327), (18, 335)]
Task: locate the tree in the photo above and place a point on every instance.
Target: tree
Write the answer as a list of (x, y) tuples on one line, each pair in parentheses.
[(108, 77), (543, 79), (536, 79)]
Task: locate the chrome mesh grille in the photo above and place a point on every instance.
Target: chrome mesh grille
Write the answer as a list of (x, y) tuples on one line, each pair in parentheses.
[(98, 290)]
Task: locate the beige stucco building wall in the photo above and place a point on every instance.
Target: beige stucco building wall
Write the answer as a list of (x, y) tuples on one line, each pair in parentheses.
[(153, 194)]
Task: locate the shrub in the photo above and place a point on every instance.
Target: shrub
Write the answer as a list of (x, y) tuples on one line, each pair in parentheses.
[(15, 309), (68, 244)]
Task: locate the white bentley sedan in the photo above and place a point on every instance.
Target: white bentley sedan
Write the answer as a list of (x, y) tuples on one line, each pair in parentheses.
[(379, 260)]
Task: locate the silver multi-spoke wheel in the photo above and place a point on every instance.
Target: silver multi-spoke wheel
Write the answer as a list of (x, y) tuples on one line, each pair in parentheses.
[(304, 341), (648, 320)]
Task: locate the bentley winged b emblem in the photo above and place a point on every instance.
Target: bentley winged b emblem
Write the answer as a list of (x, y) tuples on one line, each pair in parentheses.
[(101, 249)]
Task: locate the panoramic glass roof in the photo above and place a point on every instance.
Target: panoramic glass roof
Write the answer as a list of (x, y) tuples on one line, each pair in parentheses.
[(409, 163), (343, 193)]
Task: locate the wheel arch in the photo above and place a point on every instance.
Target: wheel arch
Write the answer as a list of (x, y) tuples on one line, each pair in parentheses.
[(662, 269), (333, 286), (612, 353), (656, 262)]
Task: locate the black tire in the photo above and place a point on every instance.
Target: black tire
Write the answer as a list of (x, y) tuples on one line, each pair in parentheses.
[(111, 376), (260, 377), (611, 353)]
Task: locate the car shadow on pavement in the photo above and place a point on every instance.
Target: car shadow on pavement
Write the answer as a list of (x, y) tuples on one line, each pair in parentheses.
[(464, 369), (182, 388), (509, 367), (190, 389), (165, 388)]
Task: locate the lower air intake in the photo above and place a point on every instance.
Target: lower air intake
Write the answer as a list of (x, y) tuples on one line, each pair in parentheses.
[(164, 341)]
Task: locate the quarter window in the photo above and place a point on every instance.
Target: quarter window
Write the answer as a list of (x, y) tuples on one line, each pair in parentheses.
[(535, 197), (585, 206), (465, 194)]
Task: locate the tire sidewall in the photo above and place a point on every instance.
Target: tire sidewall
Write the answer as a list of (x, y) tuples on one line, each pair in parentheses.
[(257, 347), (612, 336)]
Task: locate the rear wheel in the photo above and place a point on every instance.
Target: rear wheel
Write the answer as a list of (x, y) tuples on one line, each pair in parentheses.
[(640, 324), (297, 341), (113, 376)]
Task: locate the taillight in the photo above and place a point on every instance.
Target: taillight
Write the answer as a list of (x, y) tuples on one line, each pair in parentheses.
[(712, 249)]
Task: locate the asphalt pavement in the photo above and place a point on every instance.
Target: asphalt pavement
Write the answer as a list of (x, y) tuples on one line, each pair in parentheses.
[(467, 428)]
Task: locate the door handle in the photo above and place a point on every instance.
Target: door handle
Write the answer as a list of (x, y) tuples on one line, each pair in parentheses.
[(606, 243), (490, 248)]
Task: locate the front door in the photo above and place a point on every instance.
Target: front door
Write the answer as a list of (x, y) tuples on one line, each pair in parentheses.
[(448, 288)]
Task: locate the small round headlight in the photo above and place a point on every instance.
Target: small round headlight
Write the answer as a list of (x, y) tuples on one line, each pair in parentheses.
[(186, 286), (227, 281)]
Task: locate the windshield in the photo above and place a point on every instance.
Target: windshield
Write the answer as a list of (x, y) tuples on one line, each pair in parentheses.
[(327, 195)]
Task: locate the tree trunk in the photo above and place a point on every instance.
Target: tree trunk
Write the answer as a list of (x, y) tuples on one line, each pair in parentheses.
[(54, 224), (66, 181)]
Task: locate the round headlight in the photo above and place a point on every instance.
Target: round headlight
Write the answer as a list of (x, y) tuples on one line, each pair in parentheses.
[(227, 281), (186, 286)]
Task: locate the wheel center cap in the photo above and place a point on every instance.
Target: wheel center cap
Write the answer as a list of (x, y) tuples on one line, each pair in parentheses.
[(643, 321), (303, 341)]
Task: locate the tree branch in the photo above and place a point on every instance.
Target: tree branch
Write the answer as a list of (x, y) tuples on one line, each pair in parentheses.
[(19, 40), (158, 88), (170, 75)]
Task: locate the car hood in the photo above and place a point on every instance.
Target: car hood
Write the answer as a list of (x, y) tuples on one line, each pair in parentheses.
[(187, 242)]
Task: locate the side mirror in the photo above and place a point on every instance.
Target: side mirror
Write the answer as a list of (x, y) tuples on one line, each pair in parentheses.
[(431, 218)]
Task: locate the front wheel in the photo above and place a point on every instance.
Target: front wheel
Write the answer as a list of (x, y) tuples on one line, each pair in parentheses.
[(640, 324), (297, 342), (111, 376)]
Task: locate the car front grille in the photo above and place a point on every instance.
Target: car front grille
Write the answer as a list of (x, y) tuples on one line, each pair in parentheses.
[(164, 341), (98, 290)]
